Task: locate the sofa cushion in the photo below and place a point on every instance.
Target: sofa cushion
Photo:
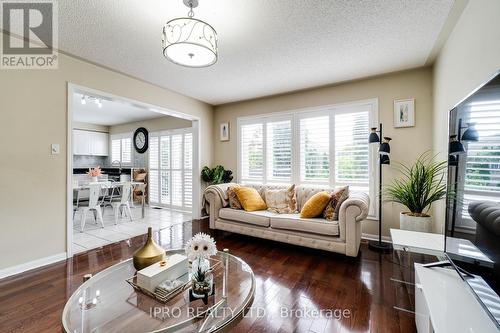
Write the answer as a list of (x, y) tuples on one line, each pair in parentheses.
[(234, 203), (331, 212), (249, 198), (314, 225), (259, 217), (281, 201), (315, 206)]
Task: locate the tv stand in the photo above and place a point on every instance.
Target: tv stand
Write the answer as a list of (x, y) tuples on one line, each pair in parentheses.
[(446, 263), (444, 303)]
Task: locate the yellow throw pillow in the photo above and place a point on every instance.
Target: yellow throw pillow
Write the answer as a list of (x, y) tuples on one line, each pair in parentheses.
[(249, 198), (315, 205)]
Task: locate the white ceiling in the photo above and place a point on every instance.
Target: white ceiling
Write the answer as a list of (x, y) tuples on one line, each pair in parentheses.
[(113, 112), (265, 46)]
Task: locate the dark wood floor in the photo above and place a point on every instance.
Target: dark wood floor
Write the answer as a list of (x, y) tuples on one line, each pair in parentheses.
[(287, 276)]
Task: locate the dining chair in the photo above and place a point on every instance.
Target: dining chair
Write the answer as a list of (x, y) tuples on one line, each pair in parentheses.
[(93, 205), (123, 202)]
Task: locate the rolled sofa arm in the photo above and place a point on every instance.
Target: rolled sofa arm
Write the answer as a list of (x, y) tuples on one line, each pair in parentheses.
[(352, 212), (215, 197)]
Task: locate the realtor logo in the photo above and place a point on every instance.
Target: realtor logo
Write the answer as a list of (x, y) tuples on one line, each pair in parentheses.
[(29, 39)]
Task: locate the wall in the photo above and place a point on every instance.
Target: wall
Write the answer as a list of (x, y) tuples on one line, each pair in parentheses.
[(470, 56), (407, 143), (34, 105), (152, 125)]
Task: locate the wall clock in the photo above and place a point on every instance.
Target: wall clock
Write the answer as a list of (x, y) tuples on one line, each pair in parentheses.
[(141, 140)]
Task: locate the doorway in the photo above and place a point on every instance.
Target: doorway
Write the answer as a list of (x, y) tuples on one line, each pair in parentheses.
[(166, 168)]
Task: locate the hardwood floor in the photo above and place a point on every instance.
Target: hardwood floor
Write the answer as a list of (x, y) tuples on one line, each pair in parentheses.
[(288, 278)]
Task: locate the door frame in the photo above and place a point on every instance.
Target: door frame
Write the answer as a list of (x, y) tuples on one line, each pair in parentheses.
[(195, 124)]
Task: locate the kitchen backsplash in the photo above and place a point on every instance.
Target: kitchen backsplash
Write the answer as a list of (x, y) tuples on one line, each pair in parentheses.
[(85, 161)]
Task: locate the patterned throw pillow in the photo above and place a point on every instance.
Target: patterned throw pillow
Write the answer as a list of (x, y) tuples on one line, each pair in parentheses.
[(331, 212), (281, 201), (234, 203)]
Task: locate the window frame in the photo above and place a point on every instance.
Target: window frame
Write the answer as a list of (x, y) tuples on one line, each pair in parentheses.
[(295, 115)]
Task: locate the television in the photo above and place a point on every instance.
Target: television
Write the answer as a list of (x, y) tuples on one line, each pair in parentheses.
[(472, 242)]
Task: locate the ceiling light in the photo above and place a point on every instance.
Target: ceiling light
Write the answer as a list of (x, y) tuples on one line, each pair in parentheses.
[(188, 41), (99, 103), (84, 101)]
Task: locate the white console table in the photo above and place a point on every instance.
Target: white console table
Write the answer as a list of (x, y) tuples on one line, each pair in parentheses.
[(444, 304)]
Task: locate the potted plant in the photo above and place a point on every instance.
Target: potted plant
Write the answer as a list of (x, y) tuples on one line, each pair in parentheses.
[(217, 175), (422, 184)]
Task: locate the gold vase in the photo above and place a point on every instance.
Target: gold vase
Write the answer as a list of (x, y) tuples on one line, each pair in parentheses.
[(149, 254)]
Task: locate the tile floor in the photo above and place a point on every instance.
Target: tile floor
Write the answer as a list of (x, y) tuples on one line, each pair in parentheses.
[(95, 236)]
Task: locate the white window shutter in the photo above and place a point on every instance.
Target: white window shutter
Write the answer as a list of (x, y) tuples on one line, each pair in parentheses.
[(252, 152), (279, 151), (352, 149), (315, 149)]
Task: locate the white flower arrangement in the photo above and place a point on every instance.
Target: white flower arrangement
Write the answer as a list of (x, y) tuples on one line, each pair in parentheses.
[(200, 245)]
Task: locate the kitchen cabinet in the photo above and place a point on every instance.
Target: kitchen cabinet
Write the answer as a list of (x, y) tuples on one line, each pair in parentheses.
[(90, 143)]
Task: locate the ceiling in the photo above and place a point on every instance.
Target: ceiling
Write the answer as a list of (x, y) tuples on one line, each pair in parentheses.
[(266, 47), (112, 112)]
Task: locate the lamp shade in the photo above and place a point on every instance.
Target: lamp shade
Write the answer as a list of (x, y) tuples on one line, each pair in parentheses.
[(385, 148), (456, 147), (373, 136), (384, 159), (470, 133), (190, 42)]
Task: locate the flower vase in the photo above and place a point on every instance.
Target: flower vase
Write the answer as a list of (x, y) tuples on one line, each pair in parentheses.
[(94, 179), (201, 278)]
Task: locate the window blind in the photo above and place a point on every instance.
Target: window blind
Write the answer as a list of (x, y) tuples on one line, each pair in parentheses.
[(172, 154), (314, 149), (153, 169), (116, 150), (252, 151), (351, 148), (126, 150), (279, 150)]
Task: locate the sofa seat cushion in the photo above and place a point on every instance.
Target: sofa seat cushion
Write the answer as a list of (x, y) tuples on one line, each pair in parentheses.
[(311, 225), (258, 217)]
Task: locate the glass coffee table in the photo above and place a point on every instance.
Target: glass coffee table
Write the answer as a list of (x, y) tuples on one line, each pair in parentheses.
[(108, 303)]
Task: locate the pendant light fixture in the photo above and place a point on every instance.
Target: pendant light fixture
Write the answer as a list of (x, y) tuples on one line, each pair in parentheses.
[(188, 41)]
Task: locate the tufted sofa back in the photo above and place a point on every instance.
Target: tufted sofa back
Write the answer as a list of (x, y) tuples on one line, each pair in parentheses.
[(302, 192)]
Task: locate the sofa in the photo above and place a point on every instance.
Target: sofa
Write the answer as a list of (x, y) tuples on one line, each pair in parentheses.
[(342, 236)]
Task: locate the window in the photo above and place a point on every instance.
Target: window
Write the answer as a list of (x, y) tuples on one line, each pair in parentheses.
[(121, 148), (315, 149), (252, 151), (322, 146), (171, 171), (279, 150)]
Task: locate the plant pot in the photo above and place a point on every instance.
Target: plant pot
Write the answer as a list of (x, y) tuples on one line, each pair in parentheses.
[(201, 278), (415, 223)]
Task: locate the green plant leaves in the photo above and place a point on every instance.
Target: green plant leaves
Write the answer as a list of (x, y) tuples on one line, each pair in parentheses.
[(421, 184), (217, 175)]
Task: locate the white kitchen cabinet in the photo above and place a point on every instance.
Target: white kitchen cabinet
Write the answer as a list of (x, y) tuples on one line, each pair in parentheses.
[(90, 143)]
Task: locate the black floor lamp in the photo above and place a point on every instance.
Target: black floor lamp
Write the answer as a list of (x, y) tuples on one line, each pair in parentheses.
[(384, 151)]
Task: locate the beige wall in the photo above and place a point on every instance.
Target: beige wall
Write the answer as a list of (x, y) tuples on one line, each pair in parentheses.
[(33, 106), (90, 127), (152, 125), (407, 143), (470, 56)]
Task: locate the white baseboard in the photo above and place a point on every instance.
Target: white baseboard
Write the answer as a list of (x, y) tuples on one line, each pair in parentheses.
[(9, 271), (375, 237)]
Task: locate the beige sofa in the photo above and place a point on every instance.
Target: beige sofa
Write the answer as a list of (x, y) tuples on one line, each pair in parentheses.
[(342, 236)]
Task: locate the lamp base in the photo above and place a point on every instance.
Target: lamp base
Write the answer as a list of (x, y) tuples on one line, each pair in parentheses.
[(379, 246)]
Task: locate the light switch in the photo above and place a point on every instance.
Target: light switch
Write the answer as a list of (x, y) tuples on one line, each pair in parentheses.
[(55, 149)]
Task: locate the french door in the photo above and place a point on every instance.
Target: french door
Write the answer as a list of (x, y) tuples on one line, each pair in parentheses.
[(171, 169)]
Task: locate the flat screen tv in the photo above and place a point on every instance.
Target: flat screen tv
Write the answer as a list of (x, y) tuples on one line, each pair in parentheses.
[(472, 240)]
